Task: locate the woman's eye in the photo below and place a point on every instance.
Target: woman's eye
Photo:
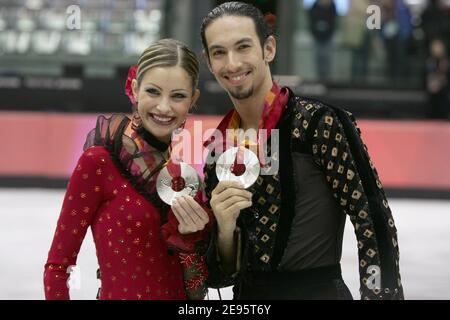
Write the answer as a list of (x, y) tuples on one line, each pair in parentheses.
[(179, 96), (153, 91)]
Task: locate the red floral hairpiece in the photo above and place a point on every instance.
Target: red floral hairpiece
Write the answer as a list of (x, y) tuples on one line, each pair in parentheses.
[(128, 90), (271, 19)]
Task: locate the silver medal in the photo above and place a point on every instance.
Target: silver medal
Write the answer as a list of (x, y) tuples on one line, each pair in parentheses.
[(226, 160), (164, 183)]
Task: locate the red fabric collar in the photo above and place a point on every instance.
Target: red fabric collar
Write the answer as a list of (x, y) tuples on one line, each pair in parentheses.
[(274, 103)]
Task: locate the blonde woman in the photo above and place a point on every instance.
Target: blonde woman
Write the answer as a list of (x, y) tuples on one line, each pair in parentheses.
[(145, 249)]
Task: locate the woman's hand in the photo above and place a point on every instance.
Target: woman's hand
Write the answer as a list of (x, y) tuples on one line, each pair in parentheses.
[(190, 215)]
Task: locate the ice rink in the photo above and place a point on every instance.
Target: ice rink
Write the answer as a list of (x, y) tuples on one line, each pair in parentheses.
[(28, 220)]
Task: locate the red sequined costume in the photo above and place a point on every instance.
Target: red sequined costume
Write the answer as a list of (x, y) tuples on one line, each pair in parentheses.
[(140, 255)]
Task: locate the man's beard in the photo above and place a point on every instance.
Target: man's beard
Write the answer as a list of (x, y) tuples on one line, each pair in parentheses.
[(241, 95)]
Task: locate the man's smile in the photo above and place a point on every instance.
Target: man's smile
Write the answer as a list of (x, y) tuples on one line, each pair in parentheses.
[(237, 79)]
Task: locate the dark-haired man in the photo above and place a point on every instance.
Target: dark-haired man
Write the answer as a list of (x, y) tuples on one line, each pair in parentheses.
[(282, 237)]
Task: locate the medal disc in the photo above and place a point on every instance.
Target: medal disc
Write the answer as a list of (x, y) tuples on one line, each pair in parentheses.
[(238, 164), (169, 188)]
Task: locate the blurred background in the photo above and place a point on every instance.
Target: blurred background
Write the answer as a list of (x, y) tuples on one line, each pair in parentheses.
[(64, 62)]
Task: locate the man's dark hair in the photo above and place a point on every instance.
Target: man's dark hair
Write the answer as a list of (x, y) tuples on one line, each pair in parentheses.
[(241, 9)]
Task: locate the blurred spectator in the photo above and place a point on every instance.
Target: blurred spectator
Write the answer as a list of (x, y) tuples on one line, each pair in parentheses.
[(322, 21), (446, 9), (396, 32), (356, 37), (437, 80), (435, 22)]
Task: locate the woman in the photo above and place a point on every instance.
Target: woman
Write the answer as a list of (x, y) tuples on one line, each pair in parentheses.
[(145, 249)]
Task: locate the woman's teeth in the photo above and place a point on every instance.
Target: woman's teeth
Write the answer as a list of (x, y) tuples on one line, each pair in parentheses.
[(162, 118)]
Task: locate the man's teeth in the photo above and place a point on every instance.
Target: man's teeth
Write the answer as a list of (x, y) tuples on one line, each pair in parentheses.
[(237, 78)]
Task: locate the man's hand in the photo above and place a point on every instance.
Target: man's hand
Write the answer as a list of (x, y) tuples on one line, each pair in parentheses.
[(191, 216), (227, 201)]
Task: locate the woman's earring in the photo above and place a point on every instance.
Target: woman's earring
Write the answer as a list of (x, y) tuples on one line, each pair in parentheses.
[(136, 122), (180, 128)]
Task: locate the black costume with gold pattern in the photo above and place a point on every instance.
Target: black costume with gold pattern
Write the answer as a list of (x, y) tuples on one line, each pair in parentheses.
[(332, 137)]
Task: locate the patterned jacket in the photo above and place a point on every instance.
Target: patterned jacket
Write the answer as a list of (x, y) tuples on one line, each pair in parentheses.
[(332, 136)]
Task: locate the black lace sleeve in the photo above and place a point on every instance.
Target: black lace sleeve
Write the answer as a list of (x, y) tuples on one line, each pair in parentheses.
[(340, 152)]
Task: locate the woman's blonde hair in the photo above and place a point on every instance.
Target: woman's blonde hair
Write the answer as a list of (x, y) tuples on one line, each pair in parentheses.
[(169, 53)]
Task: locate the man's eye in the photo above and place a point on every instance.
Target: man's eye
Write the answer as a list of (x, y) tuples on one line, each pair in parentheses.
[(218, 53), (244, 46)]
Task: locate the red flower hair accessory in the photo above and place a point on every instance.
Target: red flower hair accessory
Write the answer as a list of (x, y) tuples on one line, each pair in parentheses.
[(271, 19), (128, 90)]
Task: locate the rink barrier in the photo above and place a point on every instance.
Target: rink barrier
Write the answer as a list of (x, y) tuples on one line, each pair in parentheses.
[(40, 149)]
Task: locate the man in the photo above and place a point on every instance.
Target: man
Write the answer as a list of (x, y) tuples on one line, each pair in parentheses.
[(434, 21), (282, 238)]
